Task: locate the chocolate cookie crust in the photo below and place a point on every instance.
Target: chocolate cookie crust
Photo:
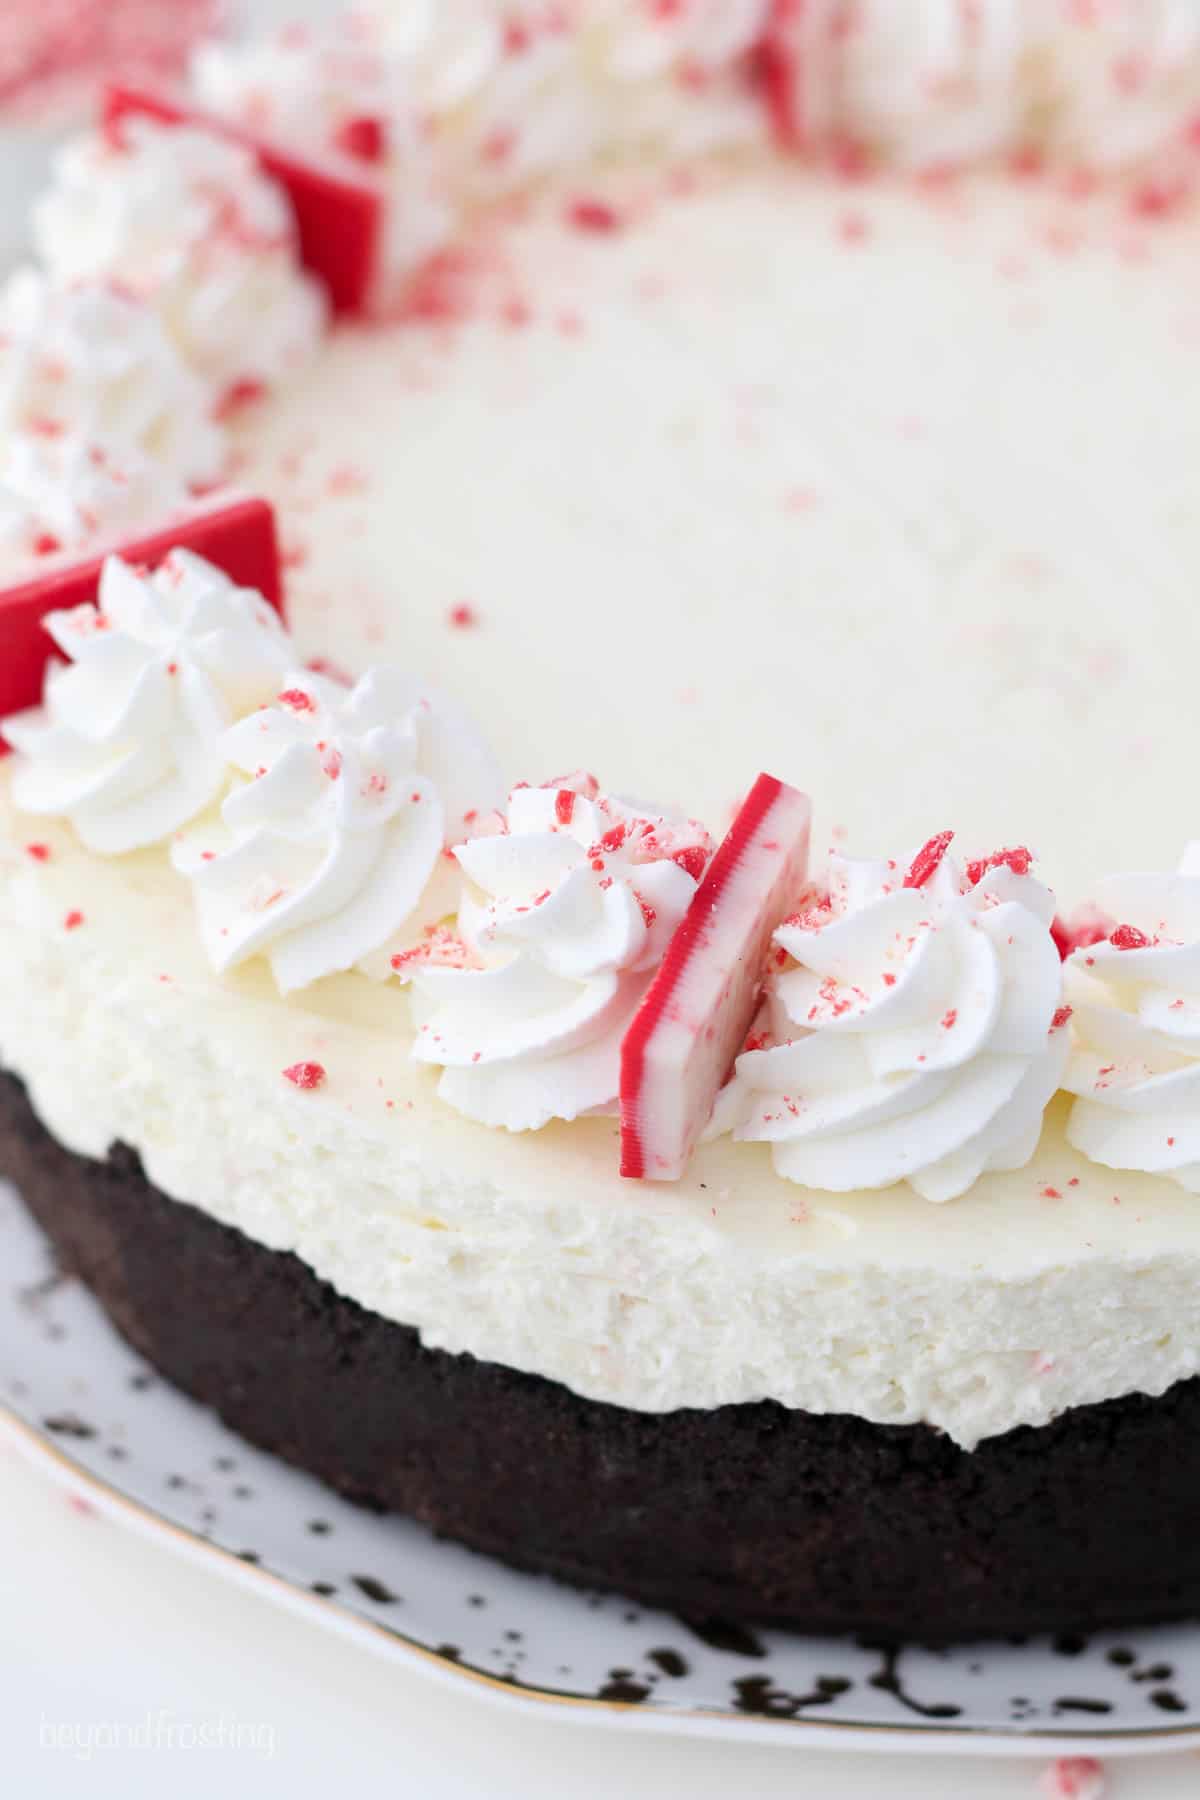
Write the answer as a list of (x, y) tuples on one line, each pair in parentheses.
[(828, 1523)]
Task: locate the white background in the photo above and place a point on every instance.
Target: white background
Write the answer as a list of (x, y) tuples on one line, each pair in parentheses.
[(99, 1630)]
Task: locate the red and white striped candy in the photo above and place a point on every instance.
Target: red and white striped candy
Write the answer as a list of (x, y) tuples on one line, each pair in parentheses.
[(234, 531), (691, 1024)]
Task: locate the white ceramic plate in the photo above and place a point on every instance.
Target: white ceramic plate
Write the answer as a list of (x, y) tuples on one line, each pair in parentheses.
[(78, 1401)]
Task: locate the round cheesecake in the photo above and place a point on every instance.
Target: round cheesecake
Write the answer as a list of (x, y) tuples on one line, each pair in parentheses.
[(887, 487)]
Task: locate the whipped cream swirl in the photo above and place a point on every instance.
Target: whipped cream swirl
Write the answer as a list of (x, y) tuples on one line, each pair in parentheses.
[(568, 911), (1106, 84), (678, 79), (324, 853), (127, 742), (90, 361), (1122, 79), (915, 1031), (344, 89), (188, 223), (58, 493), (1136, 998), (532, 114), (938, 84)]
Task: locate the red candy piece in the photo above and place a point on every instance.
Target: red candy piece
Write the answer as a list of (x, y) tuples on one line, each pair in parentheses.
[(339, 205), (927, 861), (1086, 927), (695, 1016), (305, 1076), (785, 57), (236, 532)]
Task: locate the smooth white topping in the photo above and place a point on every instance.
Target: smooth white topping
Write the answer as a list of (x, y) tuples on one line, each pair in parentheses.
[(913, 1032), (90, 361), (127, 742), (190, 224), (1136, 999), (57, 493), (567, 915), (325, 853), (339, 89)]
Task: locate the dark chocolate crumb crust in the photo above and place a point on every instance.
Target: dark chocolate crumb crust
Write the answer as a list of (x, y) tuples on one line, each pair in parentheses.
[(827, 1523)]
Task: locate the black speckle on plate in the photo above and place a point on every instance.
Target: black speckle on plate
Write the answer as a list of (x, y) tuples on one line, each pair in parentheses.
[(726, 1635), (887, 1680), (620, 1686), (374, 1590), (1167, 1701), (669, 1661), (759, 1696), (69, 1425)]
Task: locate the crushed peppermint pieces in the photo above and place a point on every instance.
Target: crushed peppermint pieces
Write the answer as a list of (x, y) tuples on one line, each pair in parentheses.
[(73, 920), (297, 701), (928, 859), (305, 1075), (1019, 860), (1128, 937), (1085, 928), (463, 617), (1073, 1778), (38, 852), (593, 215)]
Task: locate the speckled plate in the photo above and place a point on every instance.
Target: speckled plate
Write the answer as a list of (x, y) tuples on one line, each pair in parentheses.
[(79, 1402)]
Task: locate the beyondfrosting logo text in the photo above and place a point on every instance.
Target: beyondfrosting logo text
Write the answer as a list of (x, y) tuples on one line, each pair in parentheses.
[(158, 1732)]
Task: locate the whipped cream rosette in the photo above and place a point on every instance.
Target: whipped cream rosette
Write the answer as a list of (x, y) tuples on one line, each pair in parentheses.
[(447, 48), (677, 79), (127, 742), (931, 86), (325, 851), (535, 115), (340, 88), (188, 223), (568, 911), (1121, 79), (1104, 84), (1135, 1066), (90, 361), (914, 1027), (58, 492)]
